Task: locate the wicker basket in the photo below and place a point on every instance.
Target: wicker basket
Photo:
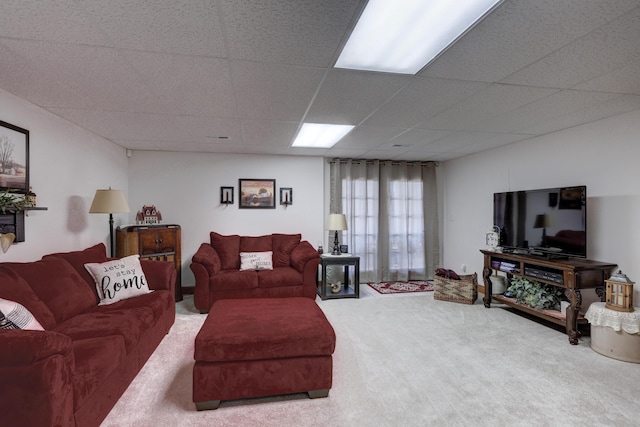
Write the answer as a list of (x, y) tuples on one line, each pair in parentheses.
[(464, 291)]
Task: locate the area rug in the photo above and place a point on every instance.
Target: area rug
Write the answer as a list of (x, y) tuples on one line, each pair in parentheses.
[(402, 287)]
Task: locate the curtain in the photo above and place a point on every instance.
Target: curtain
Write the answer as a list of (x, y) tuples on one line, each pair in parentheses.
[(392, 217)]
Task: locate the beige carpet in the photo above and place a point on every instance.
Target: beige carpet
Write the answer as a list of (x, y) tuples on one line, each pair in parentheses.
[(408, 360)]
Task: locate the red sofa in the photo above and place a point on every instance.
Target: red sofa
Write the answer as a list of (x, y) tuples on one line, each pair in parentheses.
[(216, 267), (73, 372)]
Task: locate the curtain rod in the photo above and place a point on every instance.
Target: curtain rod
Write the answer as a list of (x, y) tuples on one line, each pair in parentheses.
[(393, 162)]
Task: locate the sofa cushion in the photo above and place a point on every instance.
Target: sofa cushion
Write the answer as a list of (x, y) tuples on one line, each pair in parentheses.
[(234, 279), (256, 260), (103, 321), (256, 243), (283, 245), (77, 259), (159, 302), (15, 288), (95, 359), (118, 279), (281, 276), (58, 285), (18, 316), (208, 257), (228, 249)]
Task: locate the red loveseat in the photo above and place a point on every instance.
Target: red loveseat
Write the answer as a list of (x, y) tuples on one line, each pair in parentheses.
[(216, 266), (73, 372)]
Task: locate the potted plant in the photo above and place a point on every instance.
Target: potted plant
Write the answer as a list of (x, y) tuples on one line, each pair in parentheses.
[(12, 202), (535, 294)]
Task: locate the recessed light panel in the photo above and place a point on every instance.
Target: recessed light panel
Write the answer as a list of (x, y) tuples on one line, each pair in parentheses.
[(403, 36), (318, 135)]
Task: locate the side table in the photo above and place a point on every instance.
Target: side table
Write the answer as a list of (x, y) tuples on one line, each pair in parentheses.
[(614, 333), (350, 285)]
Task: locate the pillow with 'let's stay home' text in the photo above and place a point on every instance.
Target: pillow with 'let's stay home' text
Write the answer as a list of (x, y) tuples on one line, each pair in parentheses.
[(118, 279)]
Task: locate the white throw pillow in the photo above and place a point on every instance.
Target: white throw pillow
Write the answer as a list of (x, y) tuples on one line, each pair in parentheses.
[(256, 260), (118, 279), (18, 315)]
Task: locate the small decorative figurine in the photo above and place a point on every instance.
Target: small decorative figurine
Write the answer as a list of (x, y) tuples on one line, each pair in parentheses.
[(148, 215)]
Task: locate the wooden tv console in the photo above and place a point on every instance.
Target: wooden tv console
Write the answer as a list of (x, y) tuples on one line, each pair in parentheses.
[(572, 274)]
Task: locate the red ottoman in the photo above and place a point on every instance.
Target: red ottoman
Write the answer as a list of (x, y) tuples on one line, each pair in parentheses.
[(262, 347)]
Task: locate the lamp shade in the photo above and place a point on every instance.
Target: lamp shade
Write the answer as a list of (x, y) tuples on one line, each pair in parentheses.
[(543, 221), (109, 201), (336, 222)]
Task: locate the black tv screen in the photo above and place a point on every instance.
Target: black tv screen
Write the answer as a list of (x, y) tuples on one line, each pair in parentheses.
[(550, 221)]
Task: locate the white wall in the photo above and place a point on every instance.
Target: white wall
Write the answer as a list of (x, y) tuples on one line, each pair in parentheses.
[(185, 187), (602, 155), (67, 165)]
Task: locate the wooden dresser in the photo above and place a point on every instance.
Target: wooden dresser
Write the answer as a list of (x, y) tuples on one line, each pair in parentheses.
[(154, 242)]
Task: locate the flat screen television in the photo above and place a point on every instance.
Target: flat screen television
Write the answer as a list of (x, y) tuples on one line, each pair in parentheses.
[(550, 222)]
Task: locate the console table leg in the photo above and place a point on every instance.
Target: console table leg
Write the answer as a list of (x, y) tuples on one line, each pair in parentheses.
[(575, 302), (488, 288)]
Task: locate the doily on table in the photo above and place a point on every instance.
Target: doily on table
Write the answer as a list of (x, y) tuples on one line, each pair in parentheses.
[(599, 315)]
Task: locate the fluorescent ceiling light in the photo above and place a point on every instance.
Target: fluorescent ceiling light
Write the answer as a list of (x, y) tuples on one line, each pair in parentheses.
[(318, 135), (403, 36)]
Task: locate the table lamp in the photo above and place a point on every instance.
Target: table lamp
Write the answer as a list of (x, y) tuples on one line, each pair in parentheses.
[(109, 201), (336, 222), (543, 221)]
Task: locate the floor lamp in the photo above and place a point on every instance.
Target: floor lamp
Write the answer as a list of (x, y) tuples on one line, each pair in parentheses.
[(109, 201), (336, 222)]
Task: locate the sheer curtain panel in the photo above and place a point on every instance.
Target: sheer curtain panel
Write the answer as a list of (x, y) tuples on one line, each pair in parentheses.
[(391, 210)]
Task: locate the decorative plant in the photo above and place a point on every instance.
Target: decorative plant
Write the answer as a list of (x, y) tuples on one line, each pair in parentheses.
[(12, 202), (535, 294)]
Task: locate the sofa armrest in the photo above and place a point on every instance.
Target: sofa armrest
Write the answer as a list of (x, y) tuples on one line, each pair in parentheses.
[(36, 373), (208, 257), (159, 274), (302, 254), (21, 348)]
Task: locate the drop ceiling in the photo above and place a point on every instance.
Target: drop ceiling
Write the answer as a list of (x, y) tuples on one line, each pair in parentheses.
[(239, 76)]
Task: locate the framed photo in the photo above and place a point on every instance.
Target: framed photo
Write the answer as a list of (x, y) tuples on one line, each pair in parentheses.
[(226, 195), (571, 198), (286, 196), (257, 193), (344, 249), (14, 158)]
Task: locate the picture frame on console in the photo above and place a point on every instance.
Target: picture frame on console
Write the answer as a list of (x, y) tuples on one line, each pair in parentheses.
[(257, 193), (14, 158)]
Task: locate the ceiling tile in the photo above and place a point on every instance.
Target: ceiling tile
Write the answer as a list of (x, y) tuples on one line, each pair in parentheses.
[(519, 32), (491, 102), (273, 91), (602, 51), (301, 32), (420, 99), (348, 97)]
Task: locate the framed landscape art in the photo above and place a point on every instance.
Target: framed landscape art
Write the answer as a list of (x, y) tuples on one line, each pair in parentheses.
[(257, 193), (14, 158)]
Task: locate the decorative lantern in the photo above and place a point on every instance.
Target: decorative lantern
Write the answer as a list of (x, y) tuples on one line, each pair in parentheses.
[(619, 293)]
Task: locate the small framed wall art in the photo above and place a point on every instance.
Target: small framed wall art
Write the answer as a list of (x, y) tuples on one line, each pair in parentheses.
[(226, 195), (14, 158), (257, 193), (286, 196)]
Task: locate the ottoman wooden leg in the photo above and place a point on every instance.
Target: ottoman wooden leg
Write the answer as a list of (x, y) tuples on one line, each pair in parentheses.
[(211, 404), (314, 394)]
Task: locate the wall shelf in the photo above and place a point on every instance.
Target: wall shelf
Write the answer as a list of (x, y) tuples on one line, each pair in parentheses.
[(12, 221)]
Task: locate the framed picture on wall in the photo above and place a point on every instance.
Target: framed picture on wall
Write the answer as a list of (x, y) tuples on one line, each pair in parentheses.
[(286, 196), (226, 195), (14, 158), (257, 193)]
